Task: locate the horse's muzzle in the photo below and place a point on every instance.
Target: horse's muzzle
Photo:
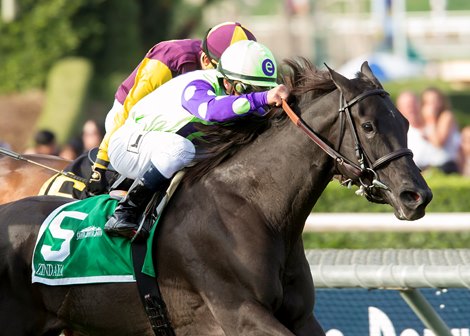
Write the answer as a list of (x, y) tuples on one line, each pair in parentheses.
[(413, 202)]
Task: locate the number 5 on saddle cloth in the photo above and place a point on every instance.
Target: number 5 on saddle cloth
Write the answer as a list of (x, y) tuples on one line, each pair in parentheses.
[(58, 262)]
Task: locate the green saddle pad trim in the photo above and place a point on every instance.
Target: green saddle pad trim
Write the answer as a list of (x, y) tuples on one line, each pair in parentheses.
[(72, 247)]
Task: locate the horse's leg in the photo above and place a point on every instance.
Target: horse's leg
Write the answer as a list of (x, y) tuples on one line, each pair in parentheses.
[(253, 318), (309, 328), (222, 314), (296, 311), (220, 304), (192, 315)]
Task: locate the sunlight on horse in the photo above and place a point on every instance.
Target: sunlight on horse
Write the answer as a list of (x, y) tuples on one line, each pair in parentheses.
[(20, 179), (228, 250)]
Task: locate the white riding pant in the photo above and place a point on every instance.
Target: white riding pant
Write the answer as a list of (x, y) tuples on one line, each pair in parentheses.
[(109, 121), (131, 149)]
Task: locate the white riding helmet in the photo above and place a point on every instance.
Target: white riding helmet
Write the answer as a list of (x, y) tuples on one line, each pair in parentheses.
[(249, 62)]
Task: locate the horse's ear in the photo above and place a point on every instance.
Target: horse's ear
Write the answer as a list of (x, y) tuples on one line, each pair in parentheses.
[(341, 82), (366, 70)]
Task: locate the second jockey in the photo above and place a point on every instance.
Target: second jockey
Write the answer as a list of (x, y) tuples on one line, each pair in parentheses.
[(155, 142), (164, 61)]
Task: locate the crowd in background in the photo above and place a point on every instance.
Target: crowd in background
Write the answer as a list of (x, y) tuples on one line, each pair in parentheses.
[(434, 135), (45, 141)]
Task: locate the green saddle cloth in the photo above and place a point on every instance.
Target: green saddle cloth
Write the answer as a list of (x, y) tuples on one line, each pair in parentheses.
[(72, 247)]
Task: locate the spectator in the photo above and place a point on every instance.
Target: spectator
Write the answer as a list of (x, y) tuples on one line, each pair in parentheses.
[(408, 105), (44, 143), (464, 162), (92, 134), (72, 149), (441, 130)]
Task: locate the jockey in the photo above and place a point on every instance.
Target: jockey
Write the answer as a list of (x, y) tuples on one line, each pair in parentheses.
[(155, 142), (164, 61)]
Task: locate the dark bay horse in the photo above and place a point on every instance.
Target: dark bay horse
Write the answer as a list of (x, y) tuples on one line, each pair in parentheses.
[(229, 251), (20, 178)]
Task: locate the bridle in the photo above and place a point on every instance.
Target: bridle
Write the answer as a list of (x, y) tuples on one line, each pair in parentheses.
[(352, 172)]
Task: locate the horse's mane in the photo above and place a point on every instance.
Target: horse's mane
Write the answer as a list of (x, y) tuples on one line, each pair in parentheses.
[(222, 141)]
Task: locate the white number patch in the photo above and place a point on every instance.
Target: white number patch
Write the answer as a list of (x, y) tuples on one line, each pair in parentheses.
[(60, 233)]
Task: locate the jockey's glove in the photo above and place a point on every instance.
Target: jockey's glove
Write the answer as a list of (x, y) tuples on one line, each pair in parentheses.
[(97, 184)]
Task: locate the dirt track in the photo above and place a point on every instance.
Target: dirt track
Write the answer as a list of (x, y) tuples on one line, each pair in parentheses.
[(18, 116)]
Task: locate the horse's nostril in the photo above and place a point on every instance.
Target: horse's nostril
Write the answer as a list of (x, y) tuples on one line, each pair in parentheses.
[(408, 196)]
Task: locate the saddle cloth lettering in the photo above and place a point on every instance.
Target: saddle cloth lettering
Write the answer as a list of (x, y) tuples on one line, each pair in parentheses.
[(72, 247)]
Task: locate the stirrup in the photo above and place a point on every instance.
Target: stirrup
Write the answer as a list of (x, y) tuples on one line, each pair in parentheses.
[(148, 218), (140, 233)]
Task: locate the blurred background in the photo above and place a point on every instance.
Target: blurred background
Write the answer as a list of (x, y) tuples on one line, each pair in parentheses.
[(61, 61)]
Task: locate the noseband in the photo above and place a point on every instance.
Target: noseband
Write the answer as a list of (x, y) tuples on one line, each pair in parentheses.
[(352, 171)]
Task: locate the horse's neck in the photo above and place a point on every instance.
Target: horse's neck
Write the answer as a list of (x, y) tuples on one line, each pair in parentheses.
[(288, 171)]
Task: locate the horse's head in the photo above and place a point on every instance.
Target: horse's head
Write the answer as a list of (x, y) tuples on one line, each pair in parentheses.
[(373, 146)]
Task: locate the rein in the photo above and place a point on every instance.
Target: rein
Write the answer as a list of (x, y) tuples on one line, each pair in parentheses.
[(17, 156), (354, 171), (338, 157)]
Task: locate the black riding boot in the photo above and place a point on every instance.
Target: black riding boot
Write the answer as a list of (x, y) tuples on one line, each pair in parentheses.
[(125, 220)]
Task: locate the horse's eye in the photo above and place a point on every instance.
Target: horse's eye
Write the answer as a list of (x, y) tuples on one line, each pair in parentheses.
[(367, 127)]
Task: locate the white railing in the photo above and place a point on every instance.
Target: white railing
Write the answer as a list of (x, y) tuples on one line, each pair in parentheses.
[(376, 222), (392, 269)]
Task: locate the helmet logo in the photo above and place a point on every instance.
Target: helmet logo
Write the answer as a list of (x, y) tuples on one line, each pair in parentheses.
[(268, 67)]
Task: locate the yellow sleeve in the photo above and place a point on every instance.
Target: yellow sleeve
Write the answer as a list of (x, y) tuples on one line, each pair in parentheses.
[(150, 75)]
